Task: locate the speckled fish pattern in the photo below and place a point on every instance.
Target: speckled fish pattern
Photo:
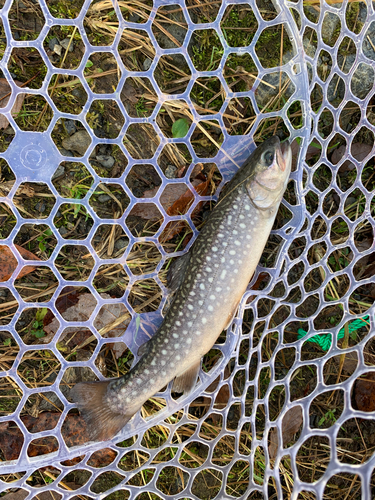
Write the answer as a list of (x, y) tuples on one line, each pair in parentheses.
[(207, 285)]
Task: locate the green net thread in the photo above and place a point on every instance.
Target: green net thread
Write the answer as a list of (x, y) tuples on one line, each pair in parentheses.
[(325, 340)]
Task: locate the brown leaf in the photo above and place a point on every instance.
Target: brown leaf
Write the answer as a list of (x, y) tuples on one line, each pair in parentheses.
[(80, 308), (8, 262), (73, 431), (147, 211), (364, 392), (291, 424), (358, 150), (17, 495), (5, 93)]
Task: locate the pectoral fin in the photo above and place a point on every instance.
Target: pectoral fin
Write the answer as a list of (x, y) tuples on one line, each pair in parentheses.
[(186, 381)]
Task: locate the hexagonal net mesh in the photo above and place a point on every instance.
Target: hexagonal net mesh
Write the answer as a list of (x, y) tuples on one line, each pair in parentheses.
[(121, 122)]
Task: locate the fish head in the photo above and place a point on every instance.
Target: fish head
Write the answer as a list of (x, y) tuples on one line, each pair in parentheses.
[(272, 162)]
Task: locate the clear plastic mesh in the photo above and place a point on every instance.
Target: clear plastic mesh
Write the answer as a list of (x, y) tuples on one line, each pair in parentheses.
[(265, 386)]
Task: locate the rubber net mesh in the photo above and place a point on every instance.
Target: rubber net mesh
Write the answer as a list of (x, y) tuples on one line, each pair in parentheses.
[(283, 407)]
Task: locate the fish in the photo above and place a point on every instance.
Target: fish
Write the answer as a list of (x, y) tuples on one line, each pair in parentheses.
[(207, 284)]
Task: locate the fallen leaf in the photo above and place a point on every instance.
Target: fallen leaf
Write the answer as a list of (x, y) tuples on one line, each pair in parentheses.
[(18, 495), (364, 392), (292, 421), (169, 197), (73, 431), (80, 309), (8, 262), (147, 211), (358, 150), (5, 94)]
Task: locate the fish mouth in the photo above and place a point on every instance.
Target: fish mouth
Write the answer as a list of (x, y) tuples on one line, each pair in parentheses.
[(284, 155)]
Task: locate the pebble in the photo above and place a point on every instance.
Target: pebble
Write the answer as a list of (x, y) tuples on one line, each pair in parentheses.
[(54, 45), (59, 171), (70, 127), (65, 152), (170, 171), (40, 206), (103, 198), (105, 161), (362, 80), (121, 243), (65, 44), (63, 231), (78, 142), (147, 63)]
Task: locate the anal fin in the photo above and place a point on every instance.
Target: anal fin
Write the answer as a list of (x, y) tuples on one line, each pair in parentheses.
[(186, 381)]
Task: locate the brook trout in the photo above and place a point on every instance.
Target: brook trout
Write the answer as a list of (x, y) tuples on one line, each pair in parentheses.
[(207, 285)]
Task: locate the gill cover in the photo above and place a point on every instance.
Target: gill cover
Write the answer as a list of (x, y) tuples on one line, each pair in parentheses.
[(267, 186)]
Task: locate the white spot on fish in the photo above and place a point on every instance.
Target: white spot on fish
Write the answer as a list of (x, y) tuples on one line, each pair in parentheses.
[(235, 207), (127, 400), (164, 352), (218, 288), (139, 381), (223, 274), (231, 262), (222, 260), (210, 308), (176, 346), (208, 269), (212, 297), (178, 323), (214, 249), (190, 307), (153, 362), (220, 235), (175, 335), (235, 231), (201, 286), (238, 243), (242, 216), (147, 372), (178, 357), (210, 280), (242, 225), (151, 381), (162, 362), (247, 207), (198, 332), (232, 252), (190, 324), (200, 302), (204, 320), (184, 332), (188, 341), (208, 258)]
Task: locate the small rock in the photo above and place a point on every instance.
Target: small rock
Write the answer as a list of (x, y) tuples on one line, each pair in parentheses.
[(105, 161), (65, 44), (103, 198), (362, 80), (105, 149), (147, 63), (63, 231), (40, 206), (134, 18), (70, 127), (79, 93), (170, 171), (54, 42), (9, 130), (78, 142), (65, 152), (58, 172), (121, 243)]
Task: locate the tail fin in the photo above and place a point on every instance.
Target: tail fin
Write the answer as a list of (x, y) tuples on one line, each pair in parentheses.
[(102, 422)]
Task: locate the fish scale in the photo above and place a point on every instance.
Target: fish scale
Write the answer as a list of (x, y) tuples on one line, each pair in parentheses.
[(207, 285)]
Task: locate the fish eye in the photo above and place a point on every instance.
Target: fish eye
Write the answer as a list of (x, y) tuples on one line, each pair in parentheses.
[(268, 158)]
